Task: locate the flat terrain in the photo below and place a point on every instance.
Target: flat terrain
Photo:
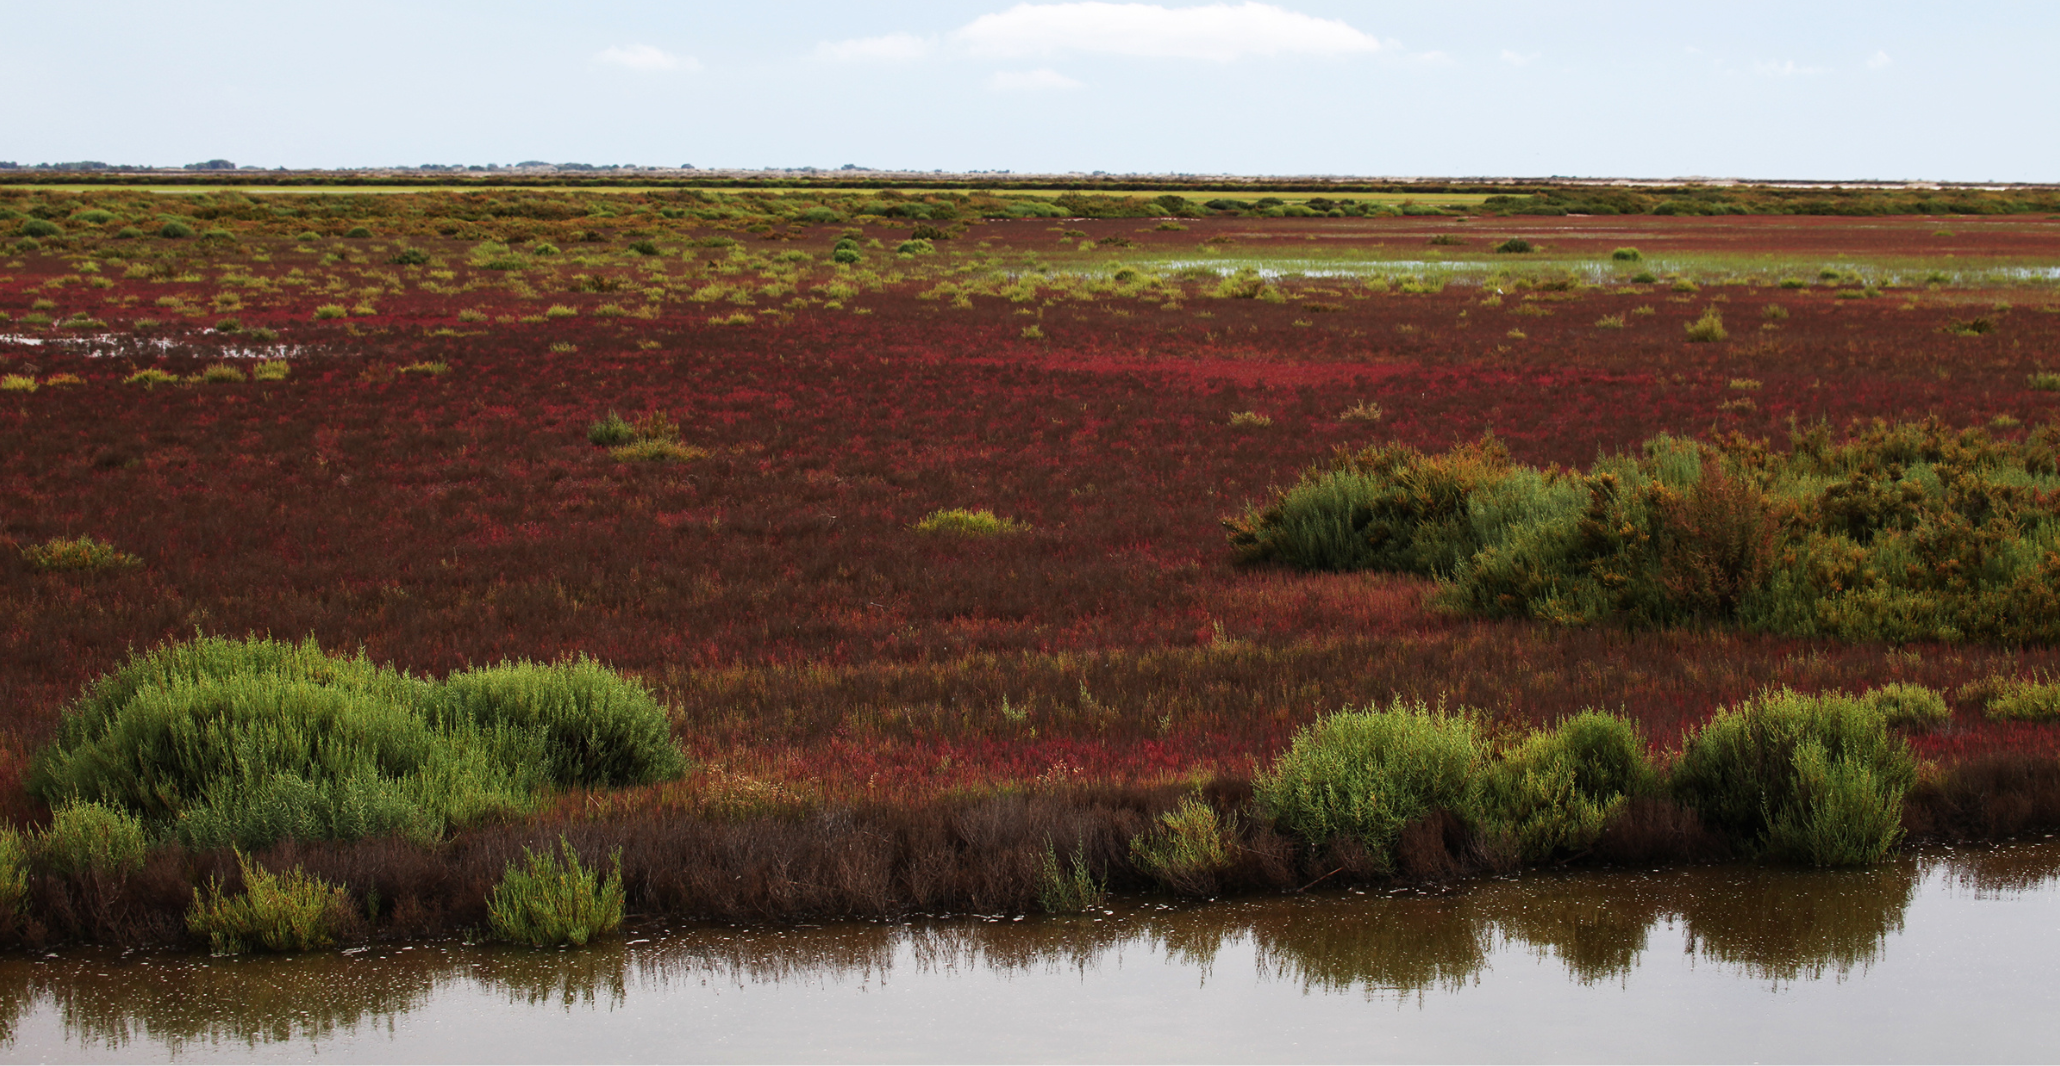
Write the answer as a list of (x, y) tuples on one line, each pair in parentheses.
[(421, 483)]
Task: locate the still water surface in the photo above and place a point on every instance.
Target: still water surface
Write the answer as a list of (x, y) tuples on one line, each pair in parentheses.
[(1949, 956)]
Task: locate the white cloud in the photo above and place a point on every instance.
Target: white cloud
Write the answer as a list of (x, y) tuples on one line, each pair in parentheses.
[(1029, 81), (1878, 60), (1220, 32), (1787, 69), (893, 46), (645, 57), (1433, 59), (1518, 59)]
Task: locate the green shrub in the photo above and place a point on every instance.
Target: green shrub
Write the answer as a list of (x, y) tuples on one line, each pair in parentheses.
[(610, 432), (916, 246), (1555, 791), (294, 911), (77, 554), (409, 257), (961, 522), (598, 728), (1515, 245), (326, 311), (433, 368), (2044, 381), (271, 370), (1645, 277), (221, 373), (128, 233), (552, 900), (27, 245), (1817, 779), (37, 227), (173, 231), (1911, 707), (357, 233), (1068, 888), (88, 837), (151, 377), (657, 451), (545, 249), (846, 255), (95, 216), (1710, 327), (1626, 255), (1185, 848), (245, 742), (14, 872), (1794, 283), (1364, 775), (644, 247), (2024, 701)]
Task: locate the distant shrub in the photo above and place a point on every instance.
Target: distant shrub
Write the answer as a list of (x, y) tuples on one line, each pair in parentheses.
[(1626, 255), (552, 900), (1911, 707), (77, 554), (95, 216), (14, 871), (1185, 848), (409, 257), (560, 311), (1515, 245), (1708, 328), (917, 246), (43, 228), (1363, 411), (61, 380), (926, 232), (173, 231), (1033, 333), (1364, 775), (644, 247), (819, 216), (610, 432), (357, 233), (544, 249), (434, 368), (1816, 779), (2024, 701), (1069, 888), (1644, 277), (1794, 283), (657, 451), (1445, 239), (294, 911), (846, 255), (1250, 420), (327, 311), (2044, 381), (1684, 285), (18, 383), (1774, 313), (128, 233), (967, 523), (271, 370), (1610, 322), (88, 837), (220, 373), (27, 245), (598, 728), (1556, 790)]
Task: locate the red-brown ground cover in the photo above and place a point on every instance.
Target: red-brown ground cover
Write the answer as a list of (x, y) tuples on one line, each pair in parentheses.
[(774, 592)]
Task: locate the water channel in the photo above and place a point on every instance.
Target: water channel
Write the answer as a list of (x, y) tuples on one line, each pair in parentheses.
[(1943, 956)]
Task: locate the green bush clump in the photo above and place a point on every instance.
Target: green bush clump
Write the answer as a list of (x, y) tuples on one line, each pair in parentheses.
[(44, 228), (1185, 848), (1911, 707), (1556, 789), (174, 231), (409, 257), (77, 554), (1068, 888), (357, 233), (959, 521), (89, 837), (1515, 245), (1364, 775), (552, 900), (1897, 533), (128, 233), (1815, 779), (14, 871), (244, 742), (915, 246), (1710, 327), (2024, 701), (611, 432), (644, 247), (294, 911), (95, 216), (2044, 381), (1626, 255), (1645, 277), (151, 377)]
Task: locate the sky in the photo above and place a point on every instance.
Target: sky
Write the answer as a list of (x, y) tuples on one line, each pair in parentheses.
[(1747, 89)]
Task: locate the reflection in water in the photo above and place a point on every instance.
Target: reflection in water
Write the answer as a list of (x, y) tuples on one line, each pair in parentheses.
[(1774, 926)]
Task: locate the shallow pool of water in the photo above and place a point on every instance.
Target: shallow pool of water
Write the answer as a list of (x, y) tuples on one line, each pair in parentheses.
[(1948, 956)]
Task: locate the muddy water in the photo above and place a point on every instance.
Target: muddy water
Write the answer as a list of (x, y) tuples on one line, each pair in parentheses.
[(1949, 956)]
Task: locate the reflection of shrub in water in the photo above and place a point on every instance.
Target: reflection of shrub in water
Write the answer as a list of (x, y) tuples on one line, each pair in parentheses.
[(1784, 926), (1597, 928), (1402, 946), (2005, 871)]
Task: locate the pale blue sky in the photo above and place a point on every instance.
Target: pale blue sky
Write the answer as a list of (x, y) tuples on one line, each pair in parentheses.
[(1745, 88)]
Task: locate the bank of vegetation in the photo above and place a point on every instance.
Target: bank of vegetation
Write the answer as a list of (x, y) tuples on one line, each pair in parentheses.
[(263, 795), (1893, 532)]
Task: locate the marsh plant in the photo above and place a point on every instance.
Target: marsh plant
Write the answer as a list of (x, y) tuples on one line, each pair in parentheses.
[(293, 911), (552, 899)]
